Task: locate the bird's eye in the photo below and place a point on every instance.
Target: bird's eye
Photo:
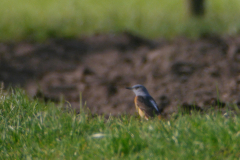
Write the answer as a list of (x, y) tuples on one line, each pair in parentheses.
[(137, 87)]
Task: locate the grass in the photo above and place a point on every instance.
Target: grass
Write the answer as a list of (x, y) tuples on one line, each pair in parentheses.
[(30, 129), (39, 20)]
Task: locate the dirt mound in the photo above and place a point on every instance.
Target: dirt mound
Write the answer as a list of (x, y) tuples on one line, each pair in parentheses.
[(174, 72)]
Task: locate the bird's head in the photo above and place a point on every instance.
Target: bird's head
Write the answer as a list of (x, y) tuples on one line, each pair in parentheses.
[(139, 90)]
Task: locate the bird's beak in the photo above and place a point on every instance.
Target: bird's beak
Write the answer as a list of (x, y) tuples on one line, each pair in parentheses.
[(129, 88)]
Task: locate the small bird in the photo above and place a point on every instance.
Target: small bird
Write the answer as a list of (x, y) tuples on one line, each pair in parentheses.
[(145, 104)]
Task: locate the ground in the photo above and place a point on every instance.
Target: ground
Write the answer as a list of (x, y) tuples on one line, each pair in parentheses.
[(175, 72)]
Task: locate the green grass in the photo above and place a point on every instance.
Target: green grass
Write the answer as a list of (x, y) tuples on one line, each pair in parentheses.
[(30, 129), (38, 20)]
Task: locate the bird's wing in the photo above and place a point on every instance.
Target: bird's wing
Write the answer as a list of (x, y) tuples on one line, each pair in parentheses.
[(148, 105)]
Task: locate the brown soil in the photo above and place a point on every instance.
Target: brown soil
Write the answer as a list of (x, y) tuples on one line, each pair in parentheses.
[(176, 72)]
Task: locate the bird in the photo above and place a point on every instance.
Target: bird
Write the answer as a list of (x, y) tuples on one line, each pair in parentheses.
[(144, 103)]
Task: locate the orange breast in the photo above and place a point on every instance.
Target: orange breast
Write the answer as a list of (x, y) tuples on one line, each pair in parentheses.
[(135, 102), (140, 112)]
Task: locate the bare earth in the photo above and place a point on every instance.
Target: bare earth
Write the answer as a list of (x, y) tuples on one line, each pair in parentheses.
[(175, 72)]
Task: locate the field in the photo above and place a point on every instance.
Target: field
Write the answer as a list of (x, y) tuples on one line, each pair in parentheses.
[(30, 129), (57, 49), (39, 20)]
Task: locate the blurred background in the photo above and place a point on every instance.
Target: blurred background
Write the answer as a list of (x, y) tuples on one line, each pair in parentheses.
[(39, 20), (183, 51)]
